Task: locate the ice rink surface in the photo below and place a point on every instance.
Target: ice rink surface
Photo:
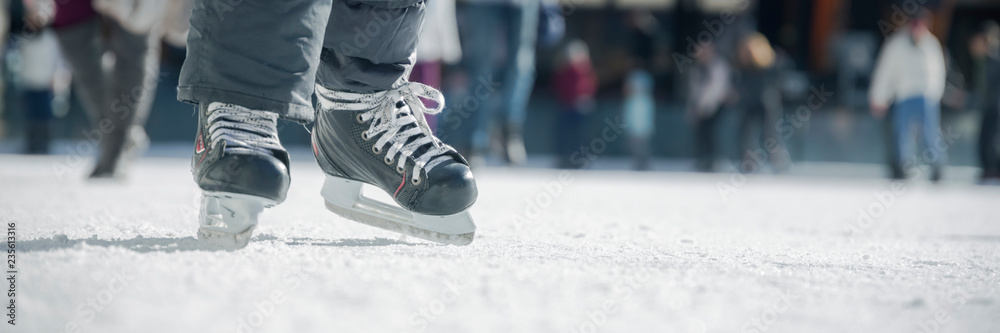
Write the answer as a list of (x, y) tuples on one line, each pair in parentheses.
[(581, 251)]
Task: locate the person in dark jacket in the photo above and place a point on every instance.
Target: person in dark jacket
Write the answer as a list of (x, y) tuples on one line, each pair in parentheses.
[(985, 49), (760, 100)]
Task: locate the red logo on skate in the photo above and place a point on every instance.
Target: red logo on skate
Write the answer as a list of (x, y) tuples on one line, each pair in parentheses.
[(199, 146)]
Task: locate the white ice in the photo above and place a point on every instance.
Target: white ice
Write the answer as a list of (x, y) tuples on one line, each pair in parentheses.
[(579, 251)]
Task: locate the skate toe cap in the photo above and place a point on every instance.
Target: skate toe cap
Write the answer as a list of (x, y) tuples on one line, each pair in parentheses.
[(258, 175), (452, 189)]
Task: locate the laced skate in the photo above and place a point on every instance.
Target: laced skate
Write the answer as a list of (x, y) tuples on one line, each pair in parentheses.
[(382, 139), (241, 167)]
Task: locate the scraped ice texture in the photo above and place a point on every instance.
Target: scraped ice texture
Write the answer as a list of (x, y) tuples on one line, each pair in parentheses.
[(665, 252)]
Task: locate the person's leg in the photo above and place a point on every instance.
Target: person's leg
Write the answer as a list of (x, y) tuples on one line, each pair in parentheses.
[(131, 88), (258, 54), (467, 119), (522, 33), (903, 118), (82, 46), (987, 143), (38, 104), (370, 128), (750, 134), (704, 143), (247, 64), (935, 151)]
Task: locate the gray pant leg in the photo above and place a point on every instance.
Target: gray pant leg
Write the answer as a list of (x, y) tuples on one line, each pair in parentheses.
[(259, 54), (132, 85), (370, 45), (82, 47)]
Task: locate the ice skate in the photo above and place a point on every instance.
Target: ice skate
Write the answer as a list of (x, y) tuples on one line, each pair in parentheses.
[(241, 167), (382, 139)]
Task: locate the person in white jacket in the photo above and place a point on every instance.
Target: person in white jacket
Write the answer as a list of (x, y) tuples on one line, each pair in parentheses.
[(910, 74)]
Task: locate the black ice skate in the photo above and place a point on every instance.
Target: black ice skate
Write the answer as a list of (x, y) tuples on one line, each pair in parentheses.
[(382, 139), (241, 168)]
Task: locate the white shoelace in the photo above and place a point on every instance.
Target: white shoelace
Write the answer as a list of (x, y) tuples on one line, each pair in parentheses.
[(387, 121), (243, 129)]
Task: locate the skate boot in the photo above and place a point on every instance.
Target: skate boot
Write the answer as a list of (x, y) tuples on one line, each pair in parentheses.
[(382, 139), (241, 168)]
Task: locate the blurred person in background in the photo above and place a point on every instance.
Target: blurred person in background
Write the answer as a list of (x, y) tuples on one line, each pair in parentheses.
[(574, 83), (438, 44), (124, 35), (496, 93), (710, 86), (36, 63), (760, 101), (638, 114), (639, 106), (910, 74), (985, 50)]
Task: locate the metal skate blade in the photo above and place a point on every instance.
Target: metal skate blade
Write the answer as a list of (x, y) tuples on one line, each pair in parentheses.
[(215, 238), (344, 198), (409, 230), (229, 219)]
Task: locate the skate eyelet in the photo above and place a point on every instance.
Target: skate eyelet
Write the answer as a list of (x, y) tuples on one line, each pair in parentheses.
[(399, 169), (376, 149), (364, 136), (387, 159), (415, 181), (359, 119)]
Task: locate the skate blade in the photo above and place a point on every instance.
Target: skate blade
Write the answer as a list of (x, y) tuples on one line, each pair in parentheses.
[(229, 219), (344, 198)]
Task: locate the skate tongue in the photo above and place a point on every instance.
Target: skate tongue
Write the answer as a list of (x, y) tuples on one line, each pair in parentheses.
[(244, 130)]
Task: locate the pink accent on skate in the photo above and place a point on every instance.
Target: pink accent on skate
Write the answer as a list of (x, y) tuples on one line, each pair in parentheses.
[(199, 145), (313, 137), (400, 185), (199, 148)]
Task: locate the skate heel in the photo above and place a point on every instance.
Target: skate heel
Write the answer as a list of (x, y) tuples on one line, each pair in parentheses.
[(228, 219), (344, 197)]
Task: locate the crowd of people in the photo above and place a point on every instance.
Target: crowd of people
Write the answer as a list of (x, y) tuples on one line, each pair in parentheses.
[(487, 48)]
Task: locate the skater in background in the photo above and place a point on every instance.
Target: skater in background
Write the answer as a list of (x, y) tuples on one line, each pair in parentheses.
[(36, 64), (117, 102), (910, 74), (438, 44), (498, 91), (709, 87), (639, 106), (304, 61), (760, 100), (638, 113), (985, 50), (574, 83)]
